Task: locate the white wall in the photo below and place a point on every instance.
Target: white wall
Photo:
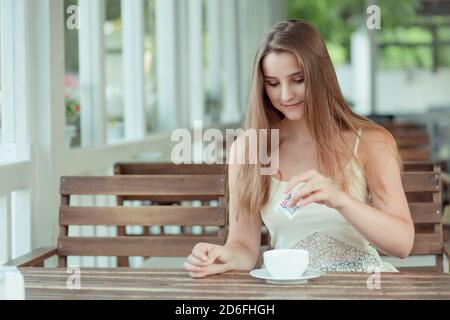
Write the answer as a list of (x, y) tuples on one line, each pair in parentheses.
[(413, 91), (403, 91)]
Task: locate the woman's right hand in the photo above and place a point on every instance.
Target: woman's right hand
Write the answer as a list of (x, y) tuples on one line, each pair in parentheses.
[(207, 259)]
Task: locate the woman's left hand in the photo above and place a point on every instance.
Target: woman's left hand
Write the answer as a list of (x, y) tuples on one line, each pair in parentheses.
[(317, 188)]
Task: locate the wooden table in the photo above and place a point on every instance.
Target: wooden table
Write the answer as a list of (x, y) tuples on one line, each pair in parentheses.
[(126, 283)]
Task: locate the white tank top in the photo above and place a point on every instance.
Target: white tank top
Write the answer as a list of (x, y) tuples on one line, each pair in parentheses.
[(333, 243)]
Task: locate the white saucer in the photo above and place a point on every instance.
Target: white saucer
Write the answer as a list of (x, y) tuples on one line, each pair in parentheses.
[(264, 274)]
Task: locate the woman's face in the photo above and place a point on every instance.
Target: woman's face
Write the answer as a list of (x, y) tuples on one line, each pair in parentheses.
[(284, 84)]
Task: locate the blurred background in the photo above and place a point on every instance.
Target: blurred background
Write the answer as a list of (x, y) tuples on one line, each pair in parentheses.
[(87, 83)]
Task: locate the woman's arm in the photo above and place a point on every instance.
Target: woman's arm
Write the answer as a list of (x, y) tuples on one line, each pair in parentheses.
[(244, 237), (388, 224), (241, 250)]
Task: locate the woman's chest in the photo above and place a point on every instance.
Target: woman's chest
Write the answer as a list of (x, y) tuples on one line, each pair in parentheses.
[(295, 159)]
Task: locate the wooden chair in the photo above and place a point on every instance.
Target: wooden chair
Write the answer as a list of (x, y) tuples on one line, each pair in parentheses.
[(419, 166), (446, 225), (423, 192), (412, 139), (175, 187), (415, 153), (413, 144), (160, 168), (395, 126)]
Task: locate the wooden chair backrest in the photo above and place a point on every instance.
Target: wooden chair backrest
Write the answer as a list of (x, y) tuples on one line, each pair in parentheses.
[(419, 166), (423, 192), (416, 138), (170, 168), (176, 187), (412, 139), (164, 168), (413, 144), (161, 168)]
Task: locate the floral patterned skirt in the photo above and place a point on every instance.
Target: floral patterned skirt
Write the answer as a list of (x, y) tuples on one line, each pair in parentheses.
[(329, 254)]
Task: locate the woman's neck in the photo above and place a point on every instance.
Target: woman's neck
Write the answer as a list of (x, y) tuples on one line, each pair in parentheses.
[(295, 130)]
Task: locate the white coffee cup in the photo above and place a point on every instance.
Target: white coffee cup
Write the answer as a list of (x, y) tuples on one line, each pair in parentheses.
[(286, 263)]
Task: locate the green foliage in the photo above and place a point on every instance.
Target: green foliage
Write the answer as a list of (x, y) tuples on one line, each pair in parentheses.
[(112, 9), (72, 110), (337, 20)]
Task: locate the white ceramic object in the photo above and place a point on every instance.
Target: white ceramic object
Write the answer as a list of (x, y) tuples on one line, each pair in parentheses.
[(265, 275), (286, 263)]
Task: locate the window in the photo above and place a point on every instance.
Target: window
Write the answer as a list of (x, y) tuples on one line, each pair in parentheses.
[(71, 76), (150, 64), (114, 71)]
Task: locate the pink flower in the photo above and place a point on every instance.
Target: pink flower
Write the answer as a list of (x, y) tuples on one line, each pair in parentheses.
[(71, 81)]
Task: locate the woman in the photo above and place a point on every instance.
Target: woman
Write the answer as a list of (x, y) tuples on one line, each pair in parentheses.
[(351, 197)]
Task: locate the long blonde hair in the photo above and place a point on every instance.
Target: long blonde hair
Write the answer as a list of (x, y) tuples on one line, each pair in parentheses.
[(326, 113)]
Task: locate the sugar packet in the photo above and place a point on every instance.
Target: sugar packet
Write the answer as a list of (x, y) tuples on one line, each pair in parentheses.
[(282, 206)]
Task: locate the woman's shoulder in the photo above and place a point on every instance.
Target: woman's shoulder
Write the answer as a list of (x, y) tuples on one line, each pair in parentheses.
[(377, 143), (376, 134), (377, 139)]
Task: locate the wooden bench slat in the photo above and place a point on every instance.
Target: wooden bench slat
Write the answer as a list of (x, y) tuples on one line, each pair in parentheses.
[(149, 215), (427, 244), (415, 153), (419, 269), (143, 168), (426, 248), (421, 181), (412, 140), (168, 246), (168, 198), (418, 166), (173, 185), (426, 212)]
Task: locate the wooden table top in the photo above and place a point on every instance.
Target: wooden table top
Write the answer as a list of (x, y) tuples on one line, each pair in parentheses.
[(126, 283)]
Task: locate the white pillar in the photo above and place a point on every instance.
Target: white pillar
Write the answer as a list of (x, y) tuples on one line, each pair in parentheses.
[(167, 73), (361, 54), (133, 68), (214, 80), (92, 72), (231, 112), (196, 101), (182, 61), (46, 21), (245, 14), (15, 81), (373, 43)]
